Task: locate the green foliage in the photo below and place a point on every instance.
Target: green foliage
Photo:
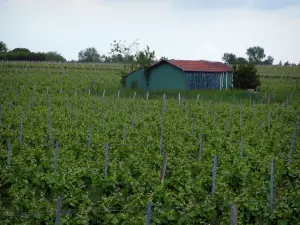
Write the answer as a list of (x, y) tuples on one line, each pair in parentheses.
[(229, 58), (29, 188), (23, 56), (163, 58), (3, 47), (255, 54), (25, 50), (245, 75), (268, 61), (55, 57), (122, 51), (145, 58), (89, 55)]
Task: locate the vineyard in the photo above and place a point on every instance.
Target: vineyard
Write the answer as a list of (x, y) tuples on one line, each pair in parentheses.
[(78, 149)]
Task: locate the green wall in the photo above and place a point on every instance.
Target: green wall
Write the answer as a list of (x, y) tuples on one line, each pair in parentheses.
[(229, 80), (166, 77), (137, 77)]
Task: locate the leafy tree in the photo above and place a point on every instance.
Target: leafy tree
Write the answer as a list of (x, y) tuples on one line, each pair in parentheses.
[(163, 58), (229, 58), (3, 47), (21, 50), (89, 55), (245, 76), (287, 63), (144, 58), (269, 61), (255, 54), (127, 51), (299, 64), (240, 60), (55, 57)]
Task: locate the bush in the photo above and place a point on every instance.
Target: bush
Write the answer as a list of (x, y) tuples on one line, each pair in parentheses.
[(245, 76)]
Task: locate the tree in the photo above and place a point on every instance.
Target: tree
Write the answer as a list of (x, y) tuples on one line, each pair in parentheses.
[(163, 58), (245, 76), (55, 57), (287, 63), (240, 60), (269, 61), (25, 50), (3, 47), (255, 55), (229, 58), (89, 55), (127, 51), (144, 58), (280, 63)]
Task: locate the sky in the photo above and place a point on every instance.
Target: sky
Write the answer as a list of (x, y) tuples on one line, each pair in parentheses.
[(177, 29)]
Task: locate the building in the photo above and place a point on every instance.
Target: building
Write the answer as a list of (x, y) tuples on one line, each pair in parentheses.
[(181, 75)]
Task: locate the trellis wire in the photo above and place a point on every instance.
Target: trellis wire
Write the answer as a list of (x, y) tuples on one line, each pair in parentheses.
[(193, 125), (269, 121), (24, 115), (90, 137), (9, 153), (106, 161), (50, 131), (200, 148), (147, 99), (226, 127), (292, 148), (21, 132), (164, 167), (242, 147), (132, 119), (241, 116), (76, 117), (271, 186), (260, 128), (56, 156), (103, 118), (214, 177), (214, 115)]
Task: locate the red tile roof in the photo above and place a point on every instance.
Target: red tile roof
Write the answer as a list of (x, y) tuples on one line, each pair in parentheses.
[(200, 65)]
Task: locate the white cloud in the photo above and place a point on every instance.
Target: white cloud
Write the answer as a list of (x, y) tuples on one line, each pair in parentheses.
[(71, 25)]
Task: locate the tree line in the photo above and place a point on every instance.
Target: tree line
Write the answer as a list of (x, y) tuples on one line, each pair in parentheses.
[(256, 55), (24, 54)]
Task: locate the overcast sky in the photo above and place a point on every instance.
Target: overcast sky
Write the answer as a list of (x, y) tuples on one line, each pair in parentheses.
[(179, 29)]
